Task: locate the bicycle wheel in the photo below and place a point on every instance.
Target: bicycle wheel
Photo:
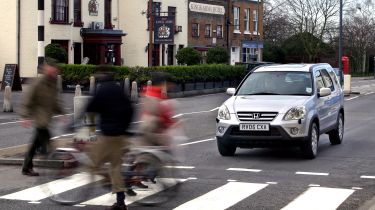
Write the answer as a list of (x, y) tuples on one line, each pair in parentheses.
[(66, 179), (161, 181)]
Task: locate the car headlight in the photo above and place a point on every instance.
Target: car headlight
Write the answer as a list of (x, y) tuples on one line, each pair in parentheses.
[(223, 113), (295, 113)]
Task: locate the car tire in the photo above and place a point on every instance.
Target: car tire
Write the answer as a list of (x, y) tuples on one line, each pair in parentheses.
[(226, 149), (310, 147), (337, 135)]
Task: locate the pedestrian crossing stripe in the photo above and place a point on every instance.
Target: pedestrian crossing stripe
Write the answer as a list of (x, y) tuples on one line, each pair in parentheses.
[(222, 197), (40, 192), (321, 198), (110, 198)]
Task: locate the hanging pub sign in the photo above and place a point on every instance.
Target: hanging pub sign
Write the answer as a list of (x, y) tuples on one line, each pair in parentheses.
[(164, 30), (11, 77), (93, 8)]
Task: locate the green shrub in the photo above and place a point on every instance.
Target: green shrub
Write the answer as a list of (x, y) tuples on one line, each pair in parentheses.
[(217, 55), (179, 74), (188, 56), (56, 52)]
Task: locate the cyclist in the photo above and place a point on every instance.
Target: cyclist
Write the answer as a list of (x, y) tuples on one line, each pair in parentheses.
[(115, 111)]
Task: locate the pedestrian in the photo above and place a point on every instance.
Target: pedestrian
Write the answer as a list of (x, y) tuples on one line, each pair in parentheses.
[(38, 108), (115, 112)]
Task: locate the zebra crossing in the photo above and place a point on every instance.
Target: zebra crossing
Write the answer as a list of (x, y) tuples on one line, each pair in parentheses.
[(225, 195)]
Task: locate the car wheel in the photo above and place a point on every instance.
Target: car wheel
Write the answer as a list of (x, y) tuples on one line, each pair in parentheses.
[(226, 149), (336, 136), (310, 147)]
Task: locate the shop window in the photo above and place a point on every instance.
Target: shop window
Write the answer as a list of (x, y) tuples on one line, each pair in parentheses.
[(249, 54)]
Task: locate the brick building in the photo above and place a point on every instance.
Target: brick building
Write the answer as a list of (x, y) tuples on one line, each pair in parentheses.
[(245, 30), (207, 24)]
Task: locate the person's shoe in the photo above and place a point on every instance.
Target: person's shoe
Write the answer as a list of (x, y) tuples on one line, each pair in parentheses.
[(30, 172), (130, 192), (117, 207), (140, 185)]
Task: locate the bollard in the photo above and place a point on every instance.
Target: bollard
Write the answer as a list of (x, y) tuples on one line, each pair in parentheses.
[(149, 84), (78, 91), (92, 85), (7, 106), (347, 84), (127, 86), (134, 92), (84, 133), (59, 83)]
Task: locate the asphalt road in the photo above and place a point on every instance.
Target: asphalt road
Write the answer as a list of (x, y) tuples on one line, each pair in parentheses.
[(259, 179)]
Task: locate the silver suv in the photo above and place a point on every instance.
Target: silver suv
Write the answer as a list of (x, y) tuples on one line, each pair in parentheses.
[(282, 105)]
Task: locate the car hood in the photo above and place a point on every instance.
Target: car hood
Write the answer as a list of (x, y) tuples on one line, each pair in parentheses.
[(258, 103)]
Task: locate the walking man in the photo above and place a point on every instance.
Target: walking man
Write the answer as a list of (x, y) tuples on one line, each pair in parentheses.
[(115, 113), (40, 104)]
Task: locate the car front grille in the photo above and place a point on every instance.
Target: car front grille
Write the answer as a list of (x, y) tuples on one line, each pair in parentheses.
[(272, 132), (256, 116)]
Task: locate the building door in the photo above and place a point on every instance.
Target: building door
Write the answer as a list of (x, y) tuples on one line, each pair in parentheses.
[(235, 55), (170, 55), (77, 53)]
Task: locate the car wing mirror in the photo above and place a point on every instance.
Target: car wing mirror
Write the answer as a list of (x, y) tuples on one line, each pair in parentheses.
[(324, 92), (231, 91)]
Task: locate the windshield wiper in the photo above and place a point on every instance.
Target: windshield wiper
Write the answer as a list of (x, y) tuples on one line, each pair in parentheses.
[(263, 93)]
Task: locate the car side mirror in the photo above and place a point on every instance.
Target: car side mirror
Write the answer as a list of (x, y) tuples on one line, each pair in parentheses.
[(324, 92), (231, 91)]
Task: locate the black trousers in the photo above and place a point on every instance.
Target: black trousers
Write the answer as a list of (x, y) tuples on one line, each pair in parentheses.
[(40, 142)]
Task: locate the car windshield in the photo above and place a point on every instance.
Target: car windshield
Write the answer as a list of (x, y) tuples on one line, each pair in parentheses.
[(277, 83)]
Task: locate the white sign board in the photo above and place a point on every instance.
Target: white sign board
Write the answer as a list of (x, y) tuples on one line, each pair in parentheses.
[(206, 8)]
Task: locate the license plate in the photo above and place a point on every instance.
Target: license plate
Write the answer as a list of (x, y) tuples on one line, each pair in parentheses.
[(254, 127)]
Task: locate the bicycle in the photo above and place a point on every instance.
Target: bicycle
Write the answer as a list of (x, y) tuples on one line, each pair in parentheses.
[(150, 165)]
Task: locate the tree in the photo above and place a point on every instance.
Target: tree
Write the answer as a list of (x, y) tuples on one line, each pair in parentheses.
[(315, 17), (359, 33), (188, 56), (217, 55), (273, 53), (56, 52)]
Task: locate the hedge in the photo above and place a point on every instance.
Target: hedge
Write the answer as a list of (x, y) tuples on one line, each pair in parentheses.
[(180, 74)]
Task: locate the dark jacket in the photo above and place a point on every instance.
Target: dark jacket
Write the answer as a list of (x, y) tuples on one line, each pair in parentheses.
[(113, 107), (41, 102)]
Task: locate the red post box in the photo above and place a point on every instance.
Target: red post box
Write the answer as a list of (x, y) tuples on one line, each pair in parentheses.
[(345, 64)]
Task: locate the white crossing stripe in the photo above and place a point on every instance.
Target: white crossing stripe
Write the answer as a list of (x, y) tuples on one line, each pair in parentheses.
[(244, 169), (321, 198), (110, 198), (312, 173), (58, 186), (223, 197), (368, 177)]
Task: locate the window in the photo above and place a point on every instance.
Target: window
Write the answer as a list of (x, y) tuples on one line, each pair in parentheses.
[(156, 8), (249, 54), (195, 30), (219, 31), (255, 21), (246, 20), (236, 16), (60, 11), (327, 80), (77, 13), (207, 31), (108, 14), (319, 80)]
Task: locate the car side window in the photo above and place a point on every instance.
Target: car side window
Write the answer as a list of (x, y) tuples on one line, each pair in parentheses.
[(319, 80), (334, 78), (327, 80)]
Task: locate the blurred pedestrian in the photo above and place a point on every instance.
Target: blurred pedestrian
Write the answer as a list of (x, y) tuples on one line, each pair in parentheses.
[(38, 108), (115, 112)]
